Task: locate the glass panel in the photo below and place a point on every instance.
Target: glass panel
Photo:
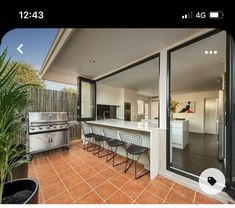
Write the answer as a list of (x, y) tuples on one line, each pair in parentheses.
[(197, 107), (130, 89), (87, 99)]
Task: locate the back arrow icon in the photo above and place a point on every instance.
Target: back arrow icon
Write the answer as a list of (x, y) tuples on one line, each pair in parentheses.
[(19, 48)]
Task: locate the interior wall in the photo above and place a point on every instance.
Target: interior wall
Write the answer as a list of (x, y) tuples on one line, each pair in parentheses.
[(107, 95), (196, 119), (146, 99)]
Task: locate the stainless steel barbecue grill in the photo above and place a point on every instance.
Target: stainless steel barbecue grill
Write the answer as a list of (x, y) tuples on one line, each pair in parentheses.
[(47, 130)]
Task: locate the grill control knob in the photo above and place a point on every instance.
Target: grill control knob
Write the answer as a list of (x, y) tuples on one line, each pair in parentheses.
[(32, 128), (48, 127), (40, 128), (54, 127)]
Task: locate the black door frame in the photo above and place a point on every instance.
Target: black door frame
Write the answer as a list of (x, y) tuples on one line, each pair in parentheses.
[(192, 41), (139, 62), (230, 114), (94, 81), (79, 106)]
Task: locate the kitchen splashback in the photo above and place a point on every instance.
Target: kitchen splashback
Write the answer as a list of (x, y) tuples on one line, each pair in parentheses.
[(109, 111)]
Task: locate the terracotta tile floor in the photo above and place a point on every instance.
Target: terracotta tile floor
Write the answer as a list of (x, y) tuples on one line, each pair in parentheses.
[(76, 176)]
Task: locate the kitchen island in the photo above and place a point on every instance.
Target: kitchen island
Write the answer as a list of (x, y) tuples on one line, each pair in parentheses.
[(150, 138), (179, 133)]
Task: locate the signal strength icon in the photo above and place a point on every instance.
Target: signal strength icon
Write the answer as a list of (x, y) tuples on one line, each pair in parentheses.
[(187, 16)]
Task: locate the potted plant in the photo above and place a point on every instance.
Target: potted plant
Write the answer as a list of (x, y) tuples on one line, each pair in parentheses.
[(13, 103), (173, 105)]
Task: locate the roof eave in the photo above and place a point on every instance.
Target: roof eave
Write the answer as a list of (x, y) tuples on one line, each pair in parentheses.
[(60, 40)]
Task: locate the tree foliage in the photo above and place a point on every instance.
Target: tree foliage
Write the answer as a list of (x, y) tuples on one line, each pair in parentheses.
[(69, 89), (26, 74)]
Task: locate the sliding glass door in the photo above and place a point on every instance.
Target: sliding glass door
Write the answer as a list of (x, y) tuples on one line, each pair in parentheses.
[(196, 127), (86, 99)]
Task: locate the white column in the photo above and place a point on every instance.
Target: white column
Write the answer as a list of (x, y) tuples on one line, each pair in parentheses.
[(163, 89), (163, 110)]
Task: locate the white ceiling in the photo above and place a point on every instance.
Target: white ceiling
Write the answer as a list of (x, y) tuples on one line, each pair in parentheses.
[(142, 78), (110, 48), (191, 70)]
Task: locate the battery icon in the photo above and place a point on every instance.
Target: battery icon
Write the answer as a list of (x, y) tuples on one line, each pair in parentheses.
[(216, 15)]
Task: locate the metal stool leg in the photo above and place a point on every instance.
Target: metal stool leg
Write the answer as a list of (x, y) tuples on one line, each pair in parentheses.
[(139, 176), (128, 159), (110, 152), (90, 150), (87, 146), (104, 155), (100, 149), (94, 149), (115, 154)]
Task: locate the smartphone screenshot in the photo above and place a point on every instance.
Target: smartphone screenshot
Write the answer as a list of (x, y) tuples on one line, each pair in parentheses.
[(108, 110)]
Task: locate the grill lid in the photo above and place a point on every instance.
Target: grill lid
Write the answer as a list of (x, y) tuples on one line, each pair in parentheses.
[(43, 117)]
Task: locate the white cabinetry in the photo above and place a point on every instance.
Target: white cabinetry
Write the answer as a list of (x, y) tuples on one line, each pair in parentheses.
[(106, 95), (179, 133)]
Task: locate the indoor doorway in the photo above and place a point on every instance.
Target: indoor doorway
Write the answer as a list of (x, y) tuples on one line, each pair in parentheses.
[(210, 115)]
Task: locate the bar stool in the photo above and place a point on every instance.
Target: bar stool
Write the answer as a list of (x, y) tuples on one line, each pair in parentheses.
[(100, 139), (135, 148), (88, 137), (113, 142)]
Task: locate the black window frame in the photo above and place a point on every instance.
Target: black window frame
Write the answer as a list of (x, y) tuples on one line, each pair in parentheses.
[(139, 62), (81, 79)]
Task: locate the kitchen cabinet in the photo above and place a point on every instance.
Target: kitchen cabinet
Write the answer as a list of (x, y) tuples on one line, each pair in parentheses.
[(179, 133)]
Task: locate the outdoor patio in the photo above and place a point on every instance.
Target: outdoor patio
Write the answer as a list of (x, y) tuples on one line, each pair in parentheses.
[(76, 176)]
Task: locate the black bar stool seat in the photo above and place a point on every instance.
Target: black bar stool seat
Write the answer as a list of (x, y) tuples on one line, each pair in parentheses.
[(89, 135), (136, 149), (100, 138), (115, 142)]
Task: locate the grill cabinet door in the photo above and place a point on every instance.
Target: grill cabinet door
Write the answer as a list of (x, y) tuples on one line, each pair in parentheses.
[(39, 142), (59, 138)]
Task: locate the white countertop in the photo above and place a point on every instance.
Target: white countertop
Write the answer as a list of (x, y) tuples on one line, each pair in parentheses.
[(139, 126), (179, 121)]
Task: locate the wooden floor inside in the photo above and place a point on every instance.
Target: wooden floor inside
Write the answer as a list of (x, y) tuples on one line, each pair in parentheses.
[(201, 153)]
